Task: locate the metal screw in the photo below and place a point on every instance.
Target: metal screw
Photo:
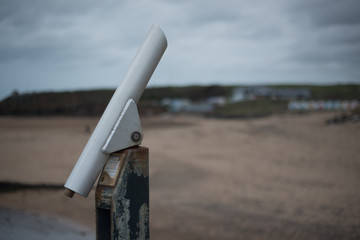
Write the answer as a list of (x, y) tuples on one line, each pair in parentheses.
[(136, 136)]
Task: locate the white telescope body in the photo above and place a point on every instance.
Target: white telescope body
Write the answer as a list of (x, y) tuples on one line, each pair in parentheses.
[(119, 112)]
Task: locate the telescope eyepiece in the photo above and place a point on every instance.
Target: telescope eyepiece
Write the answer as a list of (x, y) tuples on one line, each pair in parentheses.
[(69, 193)]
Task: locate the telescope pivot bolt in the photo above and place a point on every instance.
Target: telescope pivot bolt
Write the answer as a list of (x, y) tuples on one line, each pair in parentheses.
[(136, 136)]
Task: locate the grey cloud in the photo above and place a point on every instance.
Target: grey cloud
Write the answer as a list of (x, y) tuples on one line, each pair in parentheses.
[(211, 15), (337, 48), (200, 13), (325, 13), (346, 35), (327, 56), (229, 42), (43, 52), (44, 46), (50, 30), (326, 33), (22, 13), (261, 34)]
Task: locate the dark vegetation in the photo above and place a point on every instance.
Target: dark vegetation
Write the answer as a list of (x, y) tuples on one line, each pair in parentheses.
[(79, 103), (93, 102), (193, 93), (6, 187), (251, 108)]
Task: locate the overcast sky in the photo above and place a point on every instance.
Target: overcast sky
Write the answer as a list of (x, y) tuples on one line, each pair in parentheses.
[(68, 45)]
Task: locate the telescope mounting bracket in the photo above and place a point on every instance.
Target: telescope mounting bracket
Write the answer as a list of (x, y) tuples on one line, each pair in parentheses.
[(126, 132)]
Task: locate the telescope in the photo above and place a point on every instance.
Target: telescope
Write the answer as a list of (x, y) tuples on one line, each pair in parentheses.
[(119, 127)]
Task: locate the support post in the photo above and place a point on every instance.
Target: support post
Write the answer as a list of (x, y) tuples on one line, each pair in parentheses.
[(122, 196)]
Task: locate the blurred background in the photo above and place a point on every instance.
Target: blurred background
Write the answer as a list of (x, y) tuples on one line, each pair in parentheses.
[(251, 118)]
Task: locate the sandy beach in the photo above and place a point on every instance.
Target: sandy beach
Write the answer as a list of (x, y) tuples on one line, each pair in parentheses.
[(287, 176)]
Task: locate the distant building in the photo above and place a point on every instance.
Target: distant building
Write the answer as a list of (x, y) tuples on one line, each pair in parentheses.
[(238, 95), (176, 105), (216, 101), (199, 108), (249, 93), (321, 105)]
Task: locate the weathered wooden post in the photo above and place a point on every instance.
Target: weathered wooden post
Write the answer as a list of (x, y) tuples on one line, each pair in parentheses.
[(122, 194)]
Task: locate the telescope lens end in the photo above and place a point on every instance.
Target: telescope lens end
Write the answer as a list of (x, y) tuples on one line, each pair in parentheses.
[(69, 193)]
